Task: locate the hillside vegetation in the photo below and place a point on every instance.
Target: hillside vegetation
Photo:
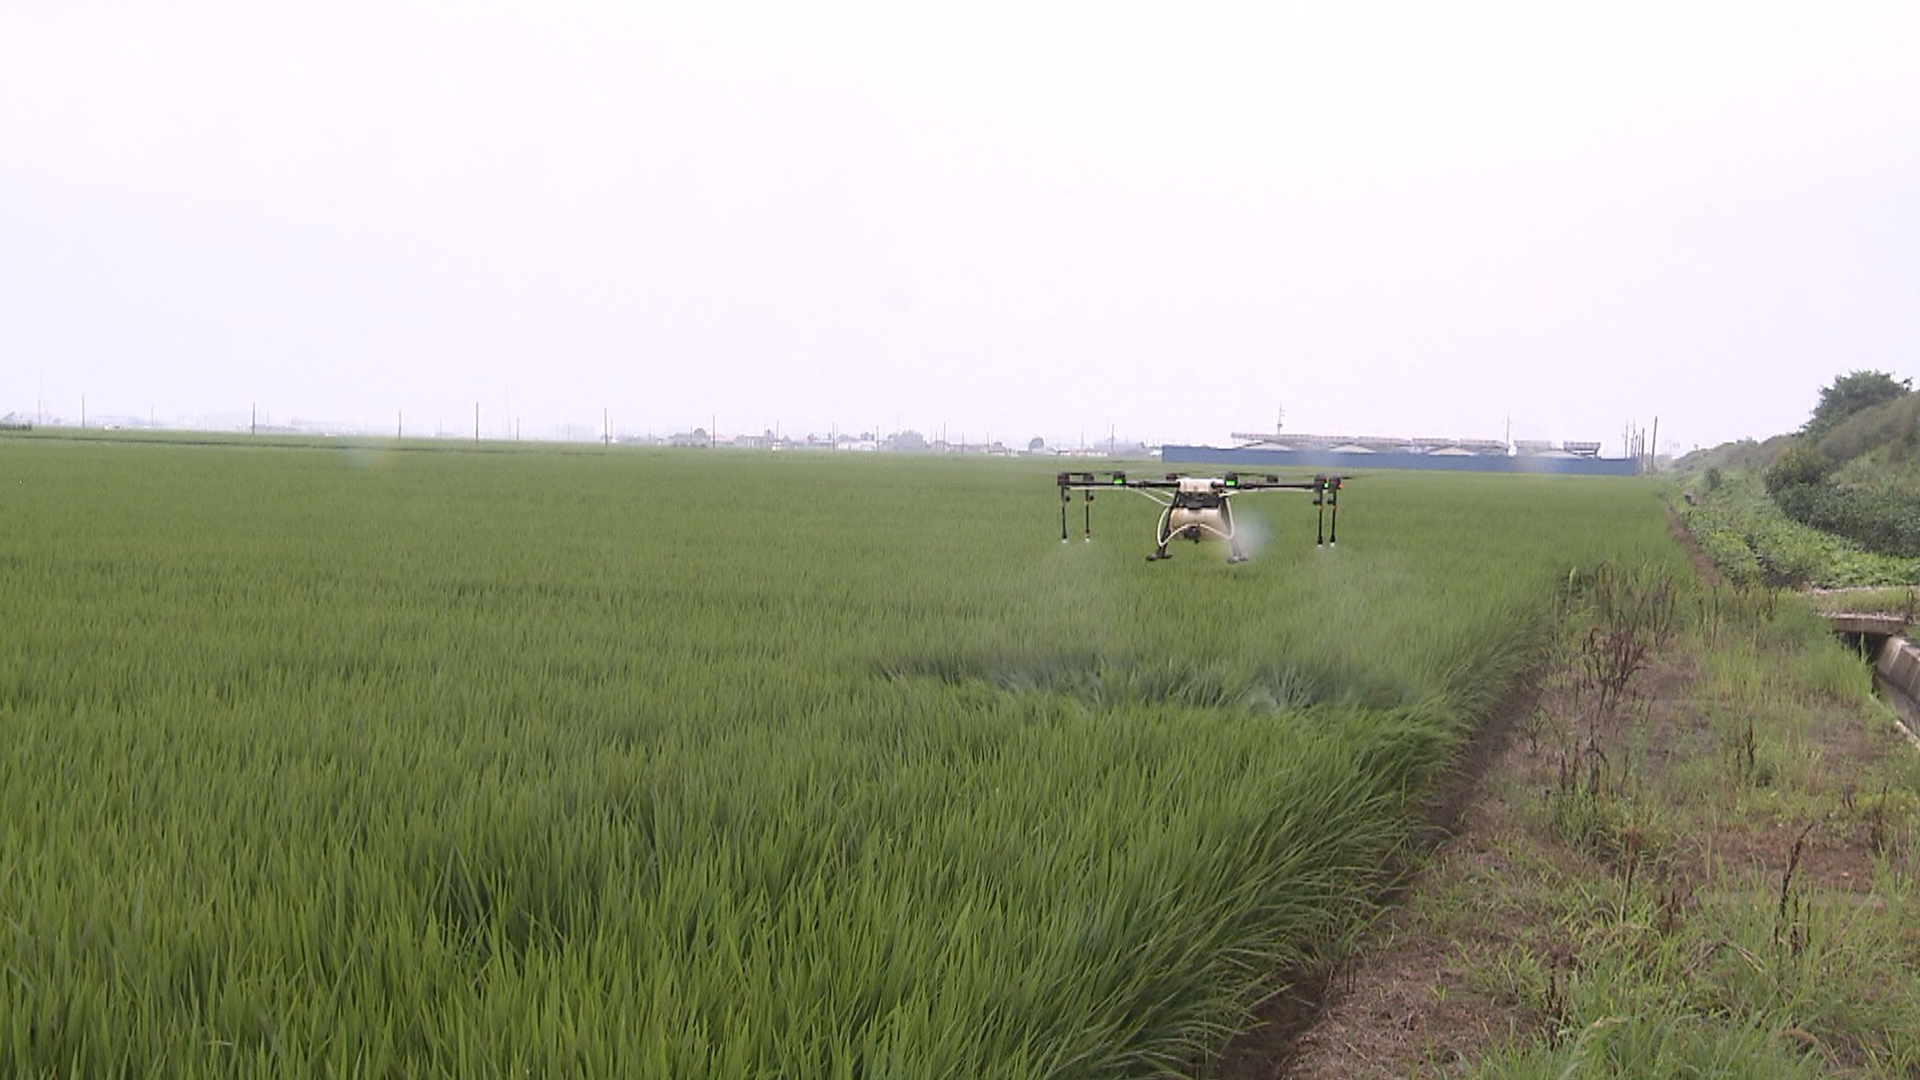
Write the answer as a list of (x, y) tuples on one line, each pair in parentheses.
[(1856, 475), (1837, 503)]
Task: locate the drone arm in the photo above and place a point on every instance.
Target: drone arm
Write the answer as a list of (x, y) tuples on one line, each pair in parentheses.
[(1250, 488), (1137, 489)]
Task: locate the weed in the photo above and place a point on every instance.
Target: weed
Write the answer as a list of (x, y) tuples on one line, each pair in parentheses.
[(1789, 921)]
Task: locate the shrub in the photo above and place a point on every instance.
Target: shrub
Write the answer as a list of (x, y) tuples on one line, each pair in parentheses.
[(1799, 464)]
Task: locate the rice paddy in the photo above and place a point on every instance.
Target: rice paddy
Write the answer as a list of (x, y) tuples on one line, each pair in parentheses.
[(321, 761)]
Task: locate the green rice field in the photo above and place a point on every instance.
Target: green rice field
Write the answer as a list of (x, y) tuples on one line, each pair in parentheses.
[(362, 761)]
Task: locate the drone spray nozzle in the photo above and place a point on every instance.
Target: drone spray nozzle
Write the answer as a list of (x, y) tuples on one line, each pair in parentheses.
[(1320, 501)]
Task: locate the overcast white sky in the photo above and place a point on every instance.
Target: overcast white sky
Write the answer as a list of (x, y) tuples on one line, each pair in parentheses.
[(1028, 218)]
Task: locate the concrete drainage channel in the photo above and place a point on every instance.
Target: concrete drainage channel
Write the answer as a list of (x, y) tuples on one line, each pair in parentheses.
[(1896, 663)]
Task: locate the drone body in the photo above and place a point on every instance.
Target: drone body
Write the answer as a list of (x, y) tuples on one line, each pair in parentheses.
[(1196, 507)]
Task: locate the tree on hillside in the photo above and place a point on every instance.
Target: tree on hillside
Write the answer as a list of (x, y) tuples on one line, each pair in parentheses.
[(1851, 393)]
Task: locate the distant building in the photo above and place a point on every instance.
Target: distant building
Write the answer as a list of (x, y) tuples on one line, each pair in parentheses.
[(1428, 446)]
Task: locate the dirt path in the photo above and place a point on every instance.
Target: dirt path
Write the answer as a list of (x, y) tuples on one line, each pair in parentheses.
[(1369, 1004)]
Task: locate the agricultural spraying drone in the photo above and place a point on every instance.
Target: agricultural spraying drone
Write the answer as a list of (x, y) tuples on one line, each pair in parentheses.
[(1197, 506)]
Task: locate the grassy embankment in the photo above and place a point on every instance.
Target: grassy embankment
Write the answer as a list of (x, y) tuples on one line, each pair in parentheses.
[(1757, 834), (1699, 857), (363, 761)]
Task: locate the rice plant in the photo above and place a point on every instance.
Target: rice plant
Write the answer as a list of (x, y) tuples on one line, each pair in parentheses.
[(382, 762)]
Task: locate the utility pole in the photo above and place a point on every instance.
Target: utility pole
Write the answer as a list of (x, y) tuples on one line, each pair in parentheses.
[(83, 411), (253, 420), (606, 429), (1653, 450), (476, 421), (400, 424)]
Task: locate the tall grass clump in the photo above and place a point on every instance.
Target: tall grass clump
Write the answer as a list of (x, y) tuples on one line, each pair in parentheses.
[(376, 761)]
